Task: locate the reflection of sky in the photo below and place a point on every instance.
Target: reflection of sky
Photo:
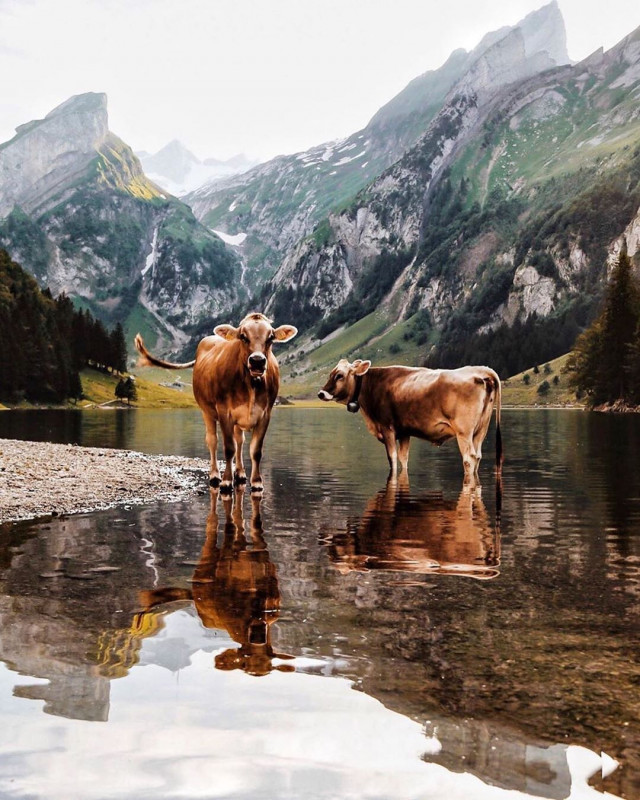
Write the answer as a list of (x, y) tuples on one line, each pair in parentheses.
[(199, 732)]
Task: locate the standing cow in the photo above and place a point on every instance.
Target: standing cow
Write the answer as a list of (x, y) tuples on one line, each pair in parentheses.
[(235, 382), (432, 404)]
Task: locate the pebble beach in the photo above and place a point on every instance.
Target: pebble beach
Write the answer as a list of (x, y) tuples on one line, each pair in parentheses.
[(40, 479)]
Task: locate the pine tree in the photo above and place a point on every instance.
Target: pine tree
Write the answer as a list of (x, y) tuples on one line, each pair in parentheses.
[(619, 323), (599, 363), (126, 389), (118, 349)]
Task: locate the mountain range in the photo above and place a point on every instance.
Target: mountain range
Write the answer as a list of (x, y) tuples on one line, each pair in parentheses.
[(475, 217), (78, 212), (490, 238), (280, 201), (179, 171)]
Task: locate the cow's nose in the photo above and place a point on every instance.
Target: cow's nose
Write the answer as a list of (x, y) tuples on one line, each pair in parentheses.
[(257, 361), (324, 395)]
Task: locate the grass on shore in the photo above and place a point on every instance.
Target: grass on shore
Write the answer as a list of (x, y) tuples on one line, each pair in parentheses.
[(517, 392), (99, 388)]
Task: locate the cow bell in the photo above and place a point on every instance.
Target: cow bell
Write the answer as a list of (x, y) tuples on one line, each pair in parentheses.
[(353, 406)]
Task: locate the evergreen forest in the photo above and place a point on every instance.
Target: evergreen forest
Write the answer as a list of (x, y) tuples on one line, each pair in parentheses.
[(46, 341), (605, 362)]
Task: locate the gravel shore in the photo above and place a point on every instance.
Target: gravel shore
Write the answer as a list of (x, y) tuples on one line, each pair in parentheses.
[(40, 478)]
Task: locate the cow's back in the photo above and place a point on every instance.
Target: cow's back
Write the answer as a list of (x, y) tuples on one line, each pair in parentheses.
[(420, 401)]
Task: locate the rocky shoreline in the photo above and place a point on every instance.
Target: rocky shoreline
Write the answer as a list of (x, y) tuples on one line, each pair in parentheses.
[(43, 479)]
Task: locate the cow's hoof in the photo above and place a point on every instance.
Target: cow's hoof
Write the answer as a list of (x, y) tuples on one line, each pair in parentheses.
[(214, 482), (226, 487), (257, 487), (239, 479)]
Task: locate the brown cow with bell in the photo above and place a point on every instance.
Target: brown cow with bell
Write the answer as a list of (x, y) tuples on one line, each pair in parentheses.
[(433, 404)]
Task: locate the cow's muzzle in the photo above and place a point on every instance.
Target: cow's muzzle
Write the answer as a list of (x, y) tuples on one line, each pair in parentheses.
[(324, 395), (257, 364)]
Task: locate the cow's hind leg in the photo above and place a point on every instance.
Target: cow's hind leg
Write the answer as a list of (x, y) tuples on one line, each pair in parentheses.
[(478, 439), (403, 452), (211, 438), (469, 458), (239, 476)]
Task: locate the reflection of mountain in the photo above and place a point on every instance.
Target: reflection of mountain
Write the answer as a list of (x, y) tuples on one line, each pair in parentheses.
[(68, 593), (422, 535), (235, 588), (503, 674)]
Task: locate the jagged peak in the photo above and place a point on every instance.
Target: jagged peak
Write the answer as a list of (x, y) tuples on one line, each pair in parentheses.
[(176, 147), (87, 102), (544, 31)]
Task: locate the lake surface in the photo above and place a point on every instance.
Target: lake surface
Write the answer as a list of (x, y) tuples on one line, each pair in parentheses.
[(340, 638)]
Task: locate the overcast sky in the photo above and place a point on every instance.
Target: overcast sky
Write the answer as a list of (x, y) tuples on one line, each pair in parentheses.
[(256, 76)]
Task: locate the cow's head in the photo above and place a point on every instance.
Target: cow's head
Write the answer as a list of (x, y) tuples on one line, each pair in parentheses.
[(342, 383), (256, 335)]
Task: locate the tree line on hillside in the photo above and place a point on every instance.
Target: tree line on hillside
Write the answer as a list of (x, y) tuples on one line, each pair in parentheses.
[(605, 362), (45, 341)]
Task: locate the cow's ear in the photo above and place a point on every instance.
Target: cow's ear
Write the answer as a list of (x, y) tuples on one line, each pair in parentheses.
[(284, 333), (227, 332), (360, 367)]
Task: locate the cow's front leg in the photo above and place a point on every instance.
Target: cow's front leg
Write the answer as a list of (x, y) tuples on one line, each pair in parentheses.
[(211, 438), (229, 445), (389, 441), (239, 476), (255, 450)]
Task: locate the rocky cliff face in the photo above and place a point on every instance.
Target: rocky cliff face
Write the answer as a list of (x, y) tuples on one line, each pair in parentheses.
[(391, 212), (46, 155), (77, 210), (278, 203), (496, 216)]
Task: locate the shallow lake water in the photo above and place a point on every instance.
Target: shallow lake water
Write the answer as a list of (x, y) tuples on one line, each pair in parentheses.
[(339, 638)]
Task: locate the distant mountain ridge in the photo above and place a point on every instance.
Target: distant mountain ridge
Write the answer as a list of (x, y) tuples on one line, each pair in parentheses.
[(278, 203), (489, 239), (78, 212), (179, 171)]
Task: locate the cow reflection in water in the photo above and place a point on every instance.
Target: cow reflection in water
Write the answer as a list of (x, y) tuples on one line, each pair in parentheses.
[(234, 588), (427, 535)]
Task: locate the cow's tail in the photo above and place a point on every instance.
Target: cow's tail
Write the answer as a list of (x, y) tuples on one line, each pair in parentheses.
[(499, 450), (147, 360), (494, 393), (493, 384)]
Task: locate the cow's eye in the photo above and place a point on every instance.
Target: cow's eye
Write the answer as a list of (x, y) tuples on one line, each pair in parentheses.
[(244, 338), (270, 338), (339, 377)]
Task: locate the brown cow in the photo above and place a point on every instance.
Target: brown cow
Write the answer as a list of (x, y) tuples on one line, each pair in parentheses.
[(432, 404), (423, 535), (235, 382)]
